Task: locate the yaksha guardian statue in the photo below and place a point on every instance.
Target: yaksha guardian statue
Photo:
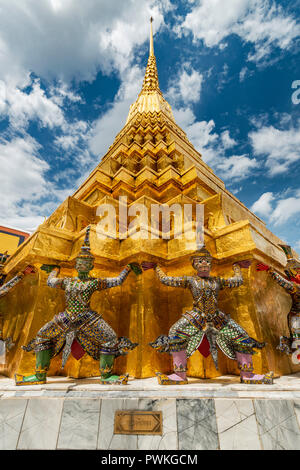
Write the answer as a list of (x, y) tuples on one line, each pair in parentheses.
[(78, 329), (7, 287), (291, 344), (205, 327)]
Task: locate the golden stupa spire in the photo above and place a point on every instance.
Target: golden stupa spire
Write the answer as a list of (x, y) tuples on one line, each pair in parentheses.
[(150, 98), (151, 76), (151, 51)]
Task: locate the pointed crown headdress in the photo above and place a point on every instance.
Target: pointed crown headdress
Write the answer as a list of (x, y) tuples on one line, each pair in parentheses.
[(85, 251), (292, 263), (201, 254)]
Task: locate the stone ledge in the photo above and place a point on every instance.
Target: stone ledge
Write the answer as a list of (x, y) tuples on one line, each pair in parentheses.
[(286, 387)]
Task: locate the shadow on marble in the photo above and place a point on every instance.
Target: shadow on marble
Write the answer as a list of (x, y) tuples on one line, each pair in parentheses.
[(197, 426)]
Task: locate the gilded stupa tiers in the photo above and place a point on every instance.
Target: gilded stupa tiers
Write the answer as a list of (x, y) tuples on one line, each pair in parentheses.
[(151, 161)]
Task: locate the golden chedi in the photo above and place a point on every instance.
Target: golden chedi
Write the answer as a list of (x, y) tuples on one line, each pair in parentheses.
[(150, 162)]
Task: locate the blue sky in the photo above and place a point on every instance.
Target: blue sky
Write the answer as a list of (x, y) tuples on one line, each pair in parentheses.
[(69, 71)]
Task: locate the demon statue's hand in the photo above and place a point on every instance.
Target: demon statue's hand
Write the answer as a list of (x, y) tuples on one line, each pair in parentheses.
[(29, 270), (148, 265), (262, 267), (49, 267), (135, 267)]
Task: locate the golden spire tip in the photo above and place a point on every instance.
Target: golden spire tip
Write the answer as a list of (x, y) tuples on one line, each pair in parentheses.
[(151, 38)]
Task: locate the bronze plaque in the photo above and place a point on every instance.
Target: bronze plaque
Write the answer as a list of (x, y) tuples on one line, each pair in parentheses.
[(138, 422)]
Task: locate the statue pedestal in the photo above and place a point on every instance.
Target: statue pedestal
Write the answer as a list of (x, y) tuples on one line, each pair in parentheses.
[(211, 414)]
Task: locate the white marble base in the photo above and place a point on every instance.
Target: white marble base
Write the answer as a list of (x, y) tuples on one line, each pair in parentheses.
[(205, 414)]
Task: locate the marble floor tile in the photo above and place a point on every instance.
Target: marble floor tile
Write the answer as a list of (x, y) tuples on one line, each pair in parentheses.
[(277, 424), (11, 418), (197, 426), (168, 440), (106, 438), (79, 424), (41, 424), (237, 425)]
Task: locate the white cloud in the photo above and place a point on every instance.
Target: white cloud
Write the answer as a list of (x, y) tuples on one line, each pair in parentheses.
[(72, 39), (263, 206), (237, 167), (188, 86), (62, 92), (281, 148), (260, 22), (285, 209), (21, 107), (227, 141), (22, 178), (21, 169), (245, 72), (27, 194), (73, 134), (213, 146), (277, 209)]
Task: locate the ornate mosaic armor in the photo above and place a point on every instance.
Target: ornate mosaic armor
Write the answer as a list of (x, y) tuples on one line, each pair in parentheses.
[(79, 322), (293, 342), (78, 329), (205, 327), (8, 286), (205, 318)]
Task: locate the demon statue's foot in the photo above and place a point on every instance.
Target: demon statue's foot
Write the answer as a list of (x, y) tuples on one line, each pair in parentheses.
[(172, 379), (266, 379), (285, 345), (114, 380), (36, 379), (106, 368), (247, 375), (42, 366)]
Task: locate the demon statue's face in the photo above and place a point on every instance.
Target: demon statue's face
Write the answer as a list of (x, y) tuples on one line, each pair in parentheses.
[(83, 266), (202, 266)]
